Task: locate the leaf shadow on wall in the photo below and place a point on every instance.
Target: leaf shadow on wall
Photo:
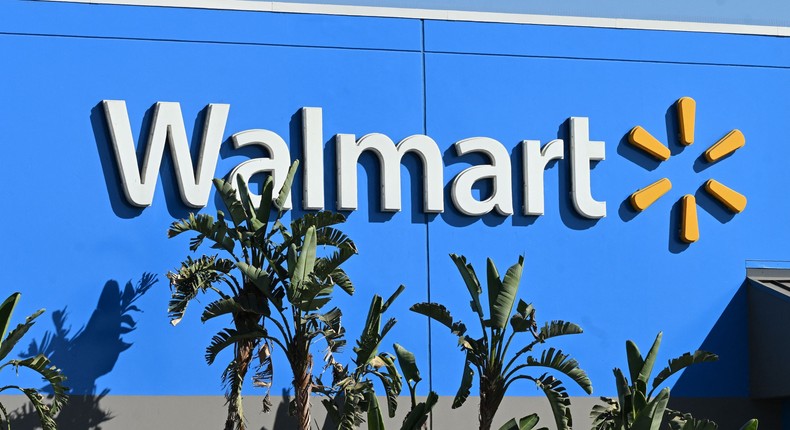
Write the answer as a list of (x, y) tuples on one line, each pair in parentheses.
[(86, 355)]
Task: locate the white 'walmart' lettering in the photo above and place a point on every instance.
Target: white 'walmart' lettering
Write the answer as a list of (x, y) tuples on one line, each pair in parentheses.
[(139, 182)]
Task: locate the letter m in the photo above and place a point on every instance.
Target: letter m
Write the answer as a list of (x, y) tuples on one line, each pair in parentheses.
[(166, 127)]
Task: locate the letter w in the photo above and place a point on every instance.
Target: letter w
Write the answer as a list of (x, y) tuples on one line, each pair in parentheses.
[(167, 126)]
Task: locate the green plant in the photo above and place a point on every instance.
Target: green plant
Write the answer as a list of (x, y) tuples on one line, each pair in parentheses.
[(488, 354), (273, 274), (681, 421), (352, 395), (418, 414), (39, 364), (527, 423), (635, 407)]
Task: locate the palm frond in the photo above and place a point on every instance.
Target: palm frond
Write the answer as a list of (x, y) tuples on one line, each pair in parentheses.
[(440, 314), (49, 373), (228, 337), (206, 228), (193, 277), (470, 279), (677, 364), (419, 414), (503, 296), (558, 398), (557, 360), (6, 310), (466, 383), (16, 334), (230, 199)]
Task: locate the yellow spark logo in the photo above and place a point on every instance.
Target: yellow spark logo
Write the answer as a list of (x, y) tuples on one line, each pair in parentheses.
[(643, 198)]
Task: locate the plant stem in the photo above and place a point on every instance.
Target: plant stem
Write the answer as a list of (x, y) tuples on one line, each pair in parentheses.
[(244, 352), (491, 394), (303, 381)]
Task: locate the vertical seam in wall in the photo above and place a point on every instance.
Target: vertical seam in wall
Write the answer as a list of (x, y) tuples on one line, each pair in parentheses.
[(427, 219)]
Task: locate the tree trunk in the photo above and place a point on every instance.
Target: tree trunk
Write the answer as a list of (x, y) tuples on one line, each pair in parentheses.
[(244, 351), (491, 395), (303, 386)]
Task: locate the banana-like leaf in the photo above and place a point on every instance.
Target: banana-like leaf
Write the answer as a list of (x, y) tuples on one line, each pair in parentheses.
[(350, 416), (324, 266), (624, 395), (466, 384), (367, 344), (331, 317), (54, 377), (341, 279), (527, 423), (331, 236), (373, 332), (607, 416), (494, 289), (375, 420), (228, 337), (221, 307), (244, 303), (470, 279), (505, 297), (681, 421), (524, 318), (43, 411), (510, 425), (230, 198), (680, 363), (397, 384), (635, 359), (392, 389), (250, 213), (558, 400), (408, 364), (331, 410), (750, 425), (193, 277), (16, 334), (651, 416), (6, 310), (263, 212), (265, 372), (261, 279), (647, 367), (320, 220), (555, 359), (206, 227), (419, 414), (392, 298), (306, 260), (558, 328), (4, 417), (286, 188), (440, 314)]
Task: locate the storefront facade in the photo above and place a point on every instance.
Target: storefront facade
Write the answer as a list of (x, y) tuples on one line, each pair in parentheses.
[(546, 109)]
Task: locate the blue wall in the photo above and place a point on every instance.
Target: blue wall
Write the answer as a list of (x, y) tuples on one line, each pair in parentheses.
[(626, 276)]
